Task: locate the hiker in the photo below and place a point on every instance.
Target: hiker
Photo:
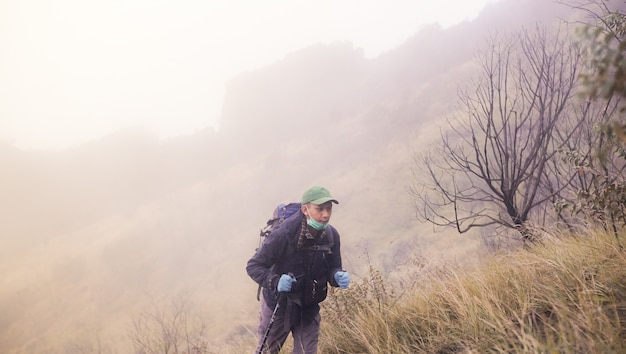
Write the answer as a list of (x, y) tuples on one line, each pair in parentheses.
[(294, 266)]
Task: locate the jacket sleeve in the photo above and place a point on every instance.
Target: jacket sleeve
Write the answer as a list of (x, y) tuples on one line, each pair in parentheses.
[(334, 262), (259, 267)]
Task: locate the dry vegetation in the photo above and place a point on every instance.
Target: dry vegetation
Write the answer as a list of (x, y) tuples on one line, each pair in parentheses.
[(565, 295)]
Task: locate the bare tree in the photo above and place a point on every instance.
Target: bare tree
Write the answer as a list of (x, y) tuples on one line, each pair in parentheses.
[(491, 168)]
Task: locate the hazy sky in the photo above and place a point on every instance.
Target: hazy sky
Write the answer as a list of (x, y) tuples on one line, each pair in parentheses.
[(75, 70)]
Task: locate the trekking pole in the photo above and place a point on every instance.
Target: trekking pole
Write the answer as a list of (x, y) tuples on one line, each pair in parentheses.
[(269, 326)]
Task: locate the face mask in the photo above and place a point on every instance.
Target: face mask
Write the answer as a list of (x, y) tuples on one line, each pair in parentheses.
[(316, 224)]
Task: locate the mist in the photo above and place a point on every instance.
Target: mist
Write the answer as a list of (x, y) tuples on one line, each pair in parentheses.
[(97, 233)]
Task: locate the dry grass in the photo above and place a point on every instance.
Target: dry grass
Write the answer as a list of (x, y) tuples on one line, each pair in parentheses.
[(566, 295)]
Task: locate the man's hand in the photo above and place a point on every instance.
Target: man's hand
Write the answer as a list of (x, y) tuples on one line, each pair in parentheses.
[(285, 282), (343, 279)]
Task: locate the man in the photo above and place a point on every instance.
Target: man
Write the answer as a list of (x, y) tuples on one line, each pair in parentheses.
[(294, 266)]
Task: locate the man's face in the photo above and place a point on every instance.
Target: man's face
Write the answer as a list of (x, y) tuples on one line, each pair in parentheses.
[(320, 213)]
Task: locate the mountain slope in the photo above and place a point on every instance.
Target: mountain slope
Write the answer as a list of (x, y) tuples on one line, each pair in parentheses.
[(97, 233)]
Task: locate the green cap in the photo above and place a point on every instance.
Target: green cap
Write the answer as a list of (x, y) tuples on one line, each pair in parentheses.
[(317, 195)]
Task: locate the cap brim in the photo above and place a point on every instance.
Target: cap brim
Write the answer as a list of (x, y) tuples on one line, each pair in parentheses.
[(323, 200)]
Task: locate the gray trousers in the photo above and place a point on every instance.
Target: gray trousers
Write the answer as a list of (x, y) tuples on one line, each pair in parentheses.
[(304, 336)]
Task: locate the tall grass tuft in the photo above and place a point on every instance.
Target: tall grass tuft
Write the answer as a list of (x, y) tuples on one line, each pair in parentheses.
[(565, 295)]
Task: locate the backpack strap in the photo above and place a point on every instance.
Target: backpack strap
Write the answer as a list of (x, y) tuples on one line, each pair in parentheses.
[(327, 248), (323, 248)]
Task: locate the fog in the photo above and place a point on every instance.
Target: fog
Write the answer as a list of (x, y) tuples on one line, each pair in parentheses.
[(73, 71), (95, 234)]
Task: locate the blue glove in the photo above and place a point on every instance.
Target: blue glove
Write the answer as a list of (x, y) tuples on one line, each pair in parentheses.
[(343, 279), (285, 282)]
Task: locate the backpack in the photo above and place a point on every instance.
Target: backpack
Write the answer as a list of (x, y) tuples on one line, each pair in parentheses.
[(280, 214)]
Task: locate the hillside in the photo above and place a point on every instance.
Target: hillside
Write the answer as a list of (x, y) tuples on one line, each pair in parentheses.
[(565, 295), (94, 235)]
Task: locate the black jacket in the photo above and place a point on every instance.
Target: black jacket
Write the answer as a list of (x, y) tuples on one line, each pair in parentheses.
[(313, 269)]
